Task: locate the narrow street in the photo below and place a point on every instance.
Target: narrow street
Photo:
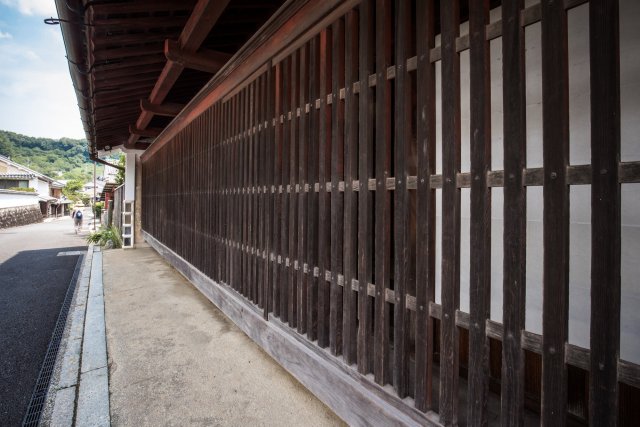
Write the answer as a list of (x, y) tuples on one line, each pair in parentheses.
[(34, 278)]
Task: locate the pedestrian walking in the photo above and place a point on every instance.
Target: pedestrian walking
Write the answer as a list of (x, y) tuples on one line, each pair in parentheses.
[(77, 218)]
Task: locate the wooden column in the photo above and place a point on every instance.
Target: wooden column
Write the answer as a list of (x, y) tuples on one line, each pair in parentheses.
[(604, 55), (365, 199), (515, 213), (450, 19)]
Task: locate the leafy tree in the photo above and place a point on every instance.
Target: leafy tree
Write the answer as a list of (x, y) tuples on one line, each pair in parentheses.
[(64, 158), (72, 189), (6, 148), (120, 174)]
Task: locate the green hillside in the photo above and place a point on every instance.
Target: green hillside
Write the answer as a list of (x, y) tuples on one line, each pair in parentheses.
[(58, 158)]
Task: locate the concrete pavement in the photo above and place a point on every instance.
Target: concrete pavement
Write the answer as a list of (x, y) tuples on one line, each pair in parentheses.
[(175, 359), (33, 284), (143, 347)]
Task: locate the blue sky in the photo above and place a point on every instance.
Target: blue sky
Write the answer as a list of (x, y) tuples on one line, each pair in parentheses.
[(36, 94)]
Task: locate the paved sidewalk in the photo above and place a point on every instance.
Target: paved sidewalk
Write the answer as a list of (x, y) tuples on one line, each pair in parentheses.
[(175, 359)]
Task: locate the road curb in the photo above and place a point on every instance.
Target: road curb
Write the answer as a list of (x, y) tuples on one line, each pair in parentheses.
[(79, 391)]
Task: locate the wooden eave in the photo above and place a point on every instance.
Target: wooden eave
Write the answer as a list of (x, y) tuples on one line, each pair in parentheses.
[(118, 55)]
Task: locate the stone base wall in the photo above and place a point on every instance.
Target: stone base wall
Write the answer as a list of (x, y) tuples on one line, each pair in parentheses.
[(23, 215)]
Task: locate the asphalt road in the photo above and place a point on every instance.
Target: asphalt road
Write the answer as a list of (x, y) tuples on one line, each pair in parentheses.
[(33, 283)]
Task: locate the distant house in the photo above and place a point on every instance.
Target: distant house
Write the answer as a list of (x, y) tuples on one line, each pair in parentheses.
[(48, 192)]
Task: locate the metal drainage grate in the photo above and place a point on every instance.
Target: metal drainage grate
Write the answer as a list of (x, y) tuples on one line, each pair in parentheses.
[(38, 398)]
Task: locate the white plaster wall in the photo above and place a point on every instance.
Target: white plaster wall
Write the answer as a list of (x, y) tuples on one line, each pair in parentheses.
[(42, 187), (13, 200), (580, 196), (130, 177)]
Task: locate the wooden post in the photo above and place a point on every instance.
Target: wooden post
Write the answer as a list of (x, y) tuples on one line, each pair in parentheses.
[(604, 55), (480, 228), (515, 213)]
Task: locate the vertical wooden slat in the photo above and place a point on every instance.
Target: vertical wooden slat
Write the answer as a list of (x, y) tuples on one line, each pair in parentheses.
[(242, 195), (277, 197), (324, 174), (555, 127), (365, 171), (312, 219), (302, 195), (384, 51), (218, 189), (270, 104), (515, 214), (292, 196), (254, 195), (227, 204), (337, 175), (480, 227), (604, 54), (401, 199), (284, 196), (233, 170), (237, 177), (249, 194), (425, 265), (245, 195), (449, 362), (350, 261), (261, 184)]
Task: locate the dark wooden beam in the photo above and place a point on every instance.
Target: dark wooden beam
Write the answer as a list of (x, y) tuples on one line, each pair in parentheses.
[(204, 16), (153, 59), (128, 71), (167, 109), (209, 61), (103, 39), (125, 52), (266, 44), (145, 133), (139, 23), (142, 6), (142, 76), (202, 19), (604, 58)]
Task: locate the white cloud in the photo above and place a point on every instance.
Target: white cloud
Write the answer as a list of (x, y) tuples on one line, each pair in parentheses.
[(5, 35), (36, 94), (45, 8)]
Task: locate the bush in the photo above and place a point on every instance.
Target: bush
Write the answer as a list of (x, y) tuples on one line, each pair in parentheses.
[(27, 189), (105, 235), (97, 209)]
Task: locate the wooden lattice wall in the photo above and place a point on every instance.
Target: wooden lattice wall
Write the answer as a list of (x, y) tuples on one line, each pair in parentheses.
[(310, 189)]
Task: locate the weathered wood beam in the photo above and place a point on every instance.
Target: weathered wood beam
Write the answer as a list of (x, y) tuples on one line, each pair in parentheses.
[(141, 23), (199, 25), (145, 133), (108, 39), (101, 54), (265, 45), (204, 16), (142, 6), (142, 76), (153, 59), (167, 109), (209, 61)]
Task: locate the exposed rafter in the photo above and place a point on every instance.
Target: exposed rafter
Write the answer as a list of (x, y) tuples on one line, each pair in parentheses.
[(204, 17), (145, 133), (208, 61), (168, 109)]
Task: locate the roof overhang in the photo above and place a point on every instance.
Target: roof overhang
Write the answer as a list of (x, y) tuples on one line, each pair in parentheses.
[(136, 64)]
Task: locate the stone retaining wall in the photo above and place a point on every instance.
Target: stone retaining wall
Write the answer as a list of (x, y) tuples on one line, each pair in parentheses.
[(22, 215)]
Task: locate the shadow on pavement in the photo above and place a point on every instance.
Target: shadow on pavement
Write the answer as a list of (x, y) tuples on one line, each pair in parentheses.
[(32, 288)]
